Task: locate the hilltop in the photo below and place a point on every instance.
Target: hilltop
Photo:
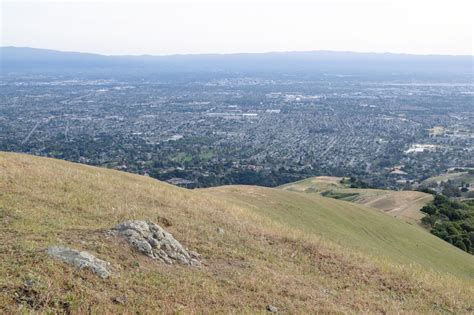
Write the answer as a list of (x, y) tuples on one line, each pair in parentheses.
[(258, 246)]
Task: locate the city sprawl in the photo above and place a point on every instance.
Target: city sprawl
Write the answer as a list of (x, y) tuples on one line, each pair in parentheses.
[(206, 130)]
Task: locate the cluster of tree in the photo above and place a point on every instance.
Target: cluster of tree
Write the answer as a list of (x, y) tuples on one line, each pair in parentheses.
[(452, 221), (354, 182), (450, 189), (453, 187), (427, 190)]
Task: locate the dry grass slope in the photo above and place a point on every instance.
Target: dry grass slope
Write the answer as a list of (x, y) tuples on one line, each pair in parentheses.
[(257, 261)]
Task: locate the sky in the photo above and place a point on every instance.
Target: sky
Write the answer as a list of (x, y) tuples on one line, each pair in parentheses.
[(165, 27)]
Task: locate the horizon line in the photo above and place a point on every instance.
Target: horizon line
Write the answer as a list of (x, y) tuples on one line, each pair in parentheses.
[(241, 53)]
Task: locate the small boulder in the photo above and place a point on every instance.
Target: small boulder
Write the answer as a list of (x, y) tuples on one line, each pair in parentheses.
[(81, 260), (153, 241)]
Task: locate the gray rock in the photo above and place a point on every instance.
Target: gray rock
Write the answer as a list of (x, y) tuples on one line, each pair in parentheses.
[(193, 254), (272, 308), (142, 245), (153, 241), (81, 260)]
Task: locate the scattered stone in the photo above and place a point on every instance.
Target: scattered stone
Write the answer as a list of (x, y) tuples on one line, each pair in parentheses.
[(81, 260), (272, 308), (153, 241)]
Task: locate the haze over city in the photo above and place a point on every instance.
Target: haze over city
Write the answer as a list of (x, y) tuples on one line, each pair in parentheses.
[(183, 27)]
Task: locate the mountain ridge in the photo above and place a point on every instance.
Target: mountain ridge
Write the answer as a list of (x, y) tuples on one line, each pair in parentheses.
[(25, 59), (322, 51)]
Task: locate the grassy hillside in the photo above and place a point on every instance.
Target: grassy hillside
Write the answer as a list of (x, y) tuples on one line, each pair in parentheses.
[(315, 184), (404, 205), (353, 226), (269, 253)]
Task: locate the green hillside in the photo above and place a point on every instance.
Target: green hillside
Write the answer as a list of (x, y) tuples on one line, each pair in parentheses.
[(353, 226), (404, 205), (259, 246)]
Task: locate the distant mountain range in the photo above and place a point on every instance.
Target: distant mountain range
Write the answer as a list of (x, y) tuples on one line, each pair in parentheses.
[(23, 59)]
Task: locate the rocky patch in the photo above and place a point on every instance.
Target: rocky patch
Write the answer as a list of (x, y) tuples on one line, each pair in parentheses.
[(153, 241), (81, 260)]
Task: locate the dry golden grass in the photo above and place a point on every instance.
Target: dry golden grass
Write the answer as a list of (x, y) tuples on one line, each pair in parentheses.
[(257, 261)]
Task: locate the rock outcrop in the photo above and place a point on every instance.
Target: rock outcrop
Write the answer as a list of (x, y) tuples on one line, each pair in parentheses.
[(82, 260), (153, 241)]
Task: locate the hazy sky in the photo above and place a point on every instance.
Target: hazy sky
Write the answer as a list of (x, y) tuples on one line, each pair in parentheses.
[(168, 27)]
